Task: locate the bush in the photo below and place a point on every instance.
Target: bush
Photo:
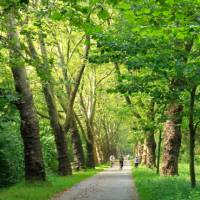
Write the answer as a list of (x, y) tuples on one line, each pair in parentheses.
[(11, 147), (11, 153)]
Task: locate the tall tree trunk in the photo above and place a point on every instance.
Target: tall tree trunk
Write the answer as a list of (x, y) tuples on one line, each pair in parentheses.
[(158, 153), (76, 139), (90, 163), (138, 151), (96, 160), (77, 145), (144, 154), (150, 139), (99, 148), (172, 128), (89, 112), (34, 166), (64, 166), (172, 139), (77, 82), (192, 137), (107, 147), (151, 149)]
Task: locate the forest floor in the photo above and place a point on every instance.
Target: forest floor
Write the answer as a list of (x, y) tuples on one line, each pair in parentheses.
[(151, 186), (44, 191), (111, 184)]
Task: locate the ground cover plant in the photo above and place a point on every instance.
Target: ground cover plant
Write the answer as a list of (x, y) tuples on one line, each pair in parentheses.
[(44, 191), (151, 186)]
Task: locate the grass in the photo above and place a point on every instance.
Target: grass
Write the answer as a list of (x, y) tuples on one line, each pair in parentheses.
[(151, 186), (43, 191)]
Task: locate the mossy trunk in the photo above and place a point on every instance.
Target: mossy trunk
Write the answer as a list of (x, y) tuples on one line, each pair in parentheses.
[(172, 139)]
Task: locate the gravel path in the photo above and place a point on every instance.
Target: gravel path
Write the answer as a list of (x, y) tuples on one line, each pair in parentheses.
[(111, 184)]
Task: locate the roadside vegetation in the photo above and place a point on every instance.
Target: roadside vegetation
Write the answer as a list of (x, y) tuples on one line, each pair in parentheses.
[(151, 186), (45, 190)]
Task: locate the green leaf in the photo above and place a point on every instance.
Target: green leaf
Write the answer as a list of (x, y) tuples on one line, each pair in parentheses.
[(103, 14), (56, 16)]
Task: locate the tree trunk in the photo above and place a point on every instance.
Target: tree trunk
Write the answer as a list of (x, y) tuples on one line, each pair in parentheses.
[(144, 154), (158, 154), (107, 147), (172, 139), (64, 166), (34, 166), (76, 140), (192, 137), (90, 163), (138, 151), (99, 147), (150, 139), (96, 160), (77, 145), (90, 155), (77, 82), (151, 149)]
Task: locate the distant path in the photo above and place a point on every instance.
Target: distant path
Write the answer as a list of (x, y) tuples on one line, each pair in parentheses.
[(111, 184)]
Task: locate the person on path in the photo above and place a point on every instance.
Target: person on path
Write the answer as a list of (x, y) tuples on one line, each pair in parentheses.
[(112, 160), (136, 161), (121, 162)]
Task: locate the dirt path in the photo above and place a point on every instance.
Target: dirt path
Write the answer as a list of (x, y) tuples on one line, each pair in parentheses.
[(111, 184)]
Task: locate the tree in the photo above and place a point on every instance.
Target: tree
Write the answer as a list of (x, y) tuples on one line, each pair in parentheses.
[(34, 166)]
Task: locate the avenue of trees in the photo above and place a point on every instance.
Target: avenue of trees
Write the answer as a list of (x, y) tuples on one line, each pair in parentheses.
[(81, 80)]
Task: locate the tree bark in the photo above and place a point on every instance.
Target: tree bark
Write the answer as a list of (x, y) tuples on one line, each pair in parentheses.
[(151, 149), (64, 166), (192, 137), (158, 154), (77, 145), (144, 154), (150, 139), (89, 140), (90, 163), (172, 139), (139, 151), (34, 166)]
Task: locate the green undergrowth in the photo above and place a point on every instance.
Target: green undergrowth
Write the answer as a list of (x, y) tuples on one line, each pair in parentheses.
[(43, 191), (151, 186)]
